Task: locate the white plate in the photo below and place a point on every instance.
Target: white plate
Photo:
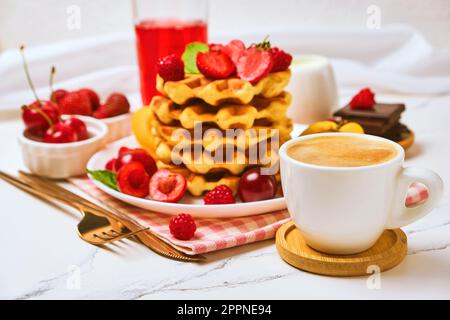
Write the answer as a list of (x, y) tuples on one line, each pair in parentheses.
[(188, 204)]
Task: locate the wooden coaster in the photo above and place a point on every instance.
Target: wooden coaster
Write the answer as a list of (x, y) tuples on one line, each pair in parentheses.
[(388, 251), (407, 140)]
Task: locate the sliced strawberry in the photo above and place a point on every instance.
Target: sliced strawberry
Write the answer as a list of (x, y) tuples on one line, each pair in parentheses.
[(215, 64), (132, 179), (234, 50), (281, 60), (254, 64), (171, 68), (167, 186)]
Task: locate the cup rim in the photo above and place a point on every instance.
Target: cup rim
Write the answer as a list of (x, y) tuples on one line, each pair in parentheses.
[(283, 154)]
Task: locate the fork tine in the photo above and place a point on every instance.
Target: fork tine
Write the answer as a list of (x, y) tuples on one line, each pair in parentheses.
[(125, 235)]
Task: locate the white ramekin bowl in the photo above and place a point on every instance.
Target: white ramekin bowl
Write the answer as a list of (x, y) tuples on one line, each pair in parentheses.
[(63, 160), (119, 127)]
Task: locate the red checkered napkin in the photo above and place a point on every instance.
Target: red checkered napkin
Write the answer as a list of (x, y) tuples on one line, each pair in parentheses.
[(211, 234)]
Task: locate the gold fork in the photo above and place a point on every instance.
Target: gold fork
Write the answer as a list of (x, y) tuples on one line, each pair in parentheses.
[(94, 226), (146, 237)]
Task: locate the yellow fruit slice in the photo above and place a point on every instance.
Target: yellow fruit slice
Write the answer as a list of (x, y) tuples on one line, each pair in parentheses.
[(351, 127), (141, 123), (321, 126)]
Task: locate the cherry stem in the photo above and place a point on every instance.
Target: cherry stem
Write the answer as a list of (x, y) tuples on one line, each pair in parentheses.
[(27, 73), (52, 77), (42, 113)]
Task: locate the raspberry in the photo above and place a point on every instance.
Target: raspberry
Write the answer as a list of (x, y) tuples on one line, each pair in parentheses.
[(219, 195), (182, 226), (171, 68), (365, 99), (281, 60)]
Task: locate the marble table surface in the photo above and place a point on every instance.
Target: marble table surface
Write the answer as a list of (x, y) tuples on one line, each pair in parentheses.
[(43, 258)]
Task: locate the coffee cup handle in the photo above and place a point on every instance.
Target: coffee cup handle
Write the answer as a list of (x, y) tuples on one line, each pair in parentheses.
[(402, 215)]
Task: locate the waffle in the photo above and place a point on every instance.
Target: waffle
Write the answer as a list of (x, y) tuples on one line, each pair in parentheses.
[(228, 116), (211, 141), (216, 92), (206, 162), (197, 184)]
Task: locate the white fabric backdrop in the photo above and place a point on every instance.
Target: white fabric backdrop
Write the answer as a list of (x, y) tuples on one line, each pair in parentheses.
[(391, 59)]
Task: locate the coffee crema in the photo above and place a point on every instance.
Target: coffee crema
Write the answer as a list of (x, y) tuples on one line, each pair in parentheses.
[(342, 151)]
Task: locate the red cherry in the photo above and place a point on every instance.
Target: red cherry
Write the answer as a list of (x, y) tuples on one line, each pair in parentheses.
[(110, 164), (139, 155), (60, 133), (39, 116), (79, 127), (253, 186), (124, 149), (132, 179), (167, 186)]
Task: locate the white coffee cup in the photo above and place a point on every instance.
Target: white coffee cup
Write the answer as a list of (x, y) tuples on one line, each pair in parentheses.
[(313, 89), (344, 210)]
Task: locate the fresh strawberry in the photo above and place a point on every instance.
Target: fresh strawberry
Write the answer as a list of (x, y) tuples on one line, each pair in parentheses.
[(115, 105), (219, 195), (110, 164), (215, 64), (254, 64), (281, 60), (75, 103), (132, 179), (182, 226), (216, 47), (93, 97), (171, 68), (234, 50), (365, 99), (57, 95)]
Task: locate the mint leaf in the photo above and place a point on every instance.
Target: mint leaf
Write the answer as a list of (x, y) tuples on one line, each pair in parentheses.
[(189, 56), (106, 177)]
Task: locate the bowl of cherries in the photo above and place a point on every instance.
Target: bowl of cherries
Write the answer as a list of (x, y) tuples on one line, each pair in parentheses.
[(57, 145)]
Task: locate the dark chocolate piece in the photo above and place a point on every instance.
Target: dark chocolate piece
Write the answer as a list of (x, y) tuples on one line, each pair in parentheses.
[(377, 121)]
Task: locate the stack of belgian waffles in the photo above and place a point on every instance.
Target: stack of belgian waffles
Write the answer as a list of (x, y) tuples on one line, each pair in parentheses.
[(205, 110)]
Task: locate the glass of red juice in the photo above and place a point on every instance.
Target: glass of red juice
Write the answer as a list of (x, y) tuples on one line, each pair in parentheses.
[(164, 27)]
